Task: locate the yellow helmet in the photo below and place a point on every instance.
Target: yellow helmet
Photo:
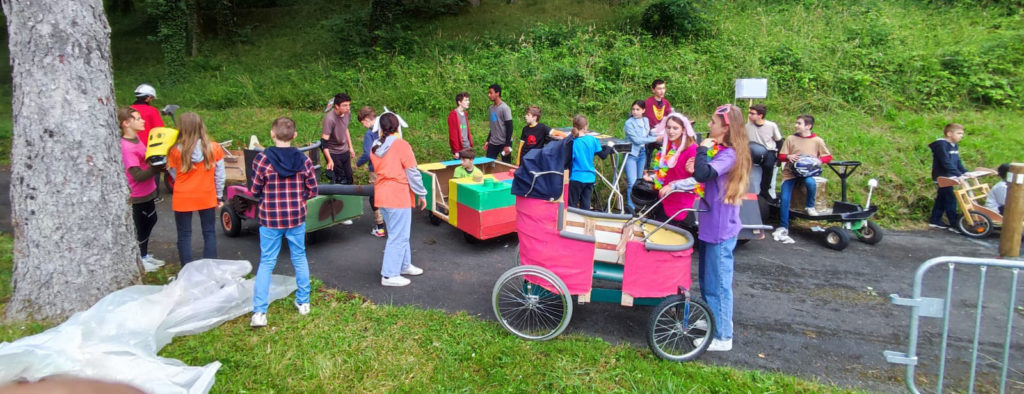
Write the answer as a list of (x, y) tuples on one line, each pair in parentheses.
[(161, 139)]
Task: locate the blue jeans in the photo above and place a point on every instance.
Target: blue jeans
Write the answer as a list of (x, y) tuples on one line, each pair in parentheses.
[(397, 253), (634, 170), (270, 246), (715, 278), (183, 221), (787, 195), (945, 203)]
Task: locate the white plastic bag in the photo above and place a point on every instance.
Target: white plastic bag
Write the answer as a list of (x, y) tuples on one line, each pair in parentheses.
[(118, 338)]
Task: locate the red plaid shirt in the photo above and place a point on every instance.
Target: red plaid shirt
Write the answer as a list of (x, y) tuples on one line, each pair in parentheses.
[(282, 200)]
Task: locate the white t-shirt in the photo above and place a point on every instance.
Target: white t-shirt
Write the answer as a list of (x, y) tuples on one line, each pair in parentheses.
[(996, 197), (765, 134)]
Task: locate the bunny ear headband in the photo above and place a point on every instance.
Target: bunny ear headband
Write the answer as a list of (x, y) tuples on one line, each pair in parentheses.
[(401, 122), (661, 129)]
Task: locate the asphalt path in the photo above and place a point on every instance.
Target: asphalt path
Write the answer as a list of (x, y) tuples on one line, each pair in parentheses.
[(800, 309)]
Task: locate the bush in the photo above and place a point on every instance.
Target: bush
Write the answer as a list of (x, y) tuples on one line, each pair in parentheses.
[(677, 18)]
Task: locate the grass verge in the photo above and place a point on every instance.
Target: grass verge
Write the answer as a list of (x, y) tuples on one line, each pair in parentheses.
[(349, 343)]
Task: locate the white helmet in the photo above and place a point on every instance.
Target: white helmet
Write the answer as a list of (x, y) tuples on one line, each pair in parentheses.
[(145, 90)]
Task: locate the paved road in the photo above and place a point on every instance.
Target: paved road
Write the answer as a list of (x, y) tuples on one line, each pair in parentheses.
[(801, 309)]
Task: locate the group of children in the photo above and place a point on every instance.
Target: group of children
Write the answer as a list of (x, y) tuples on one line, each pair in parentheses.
[(715, 168), (283, 179)]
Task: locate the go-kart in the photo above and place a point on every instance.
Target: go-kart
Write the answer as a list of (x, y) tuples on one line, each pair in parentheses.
[(333, 204), (851, 217)]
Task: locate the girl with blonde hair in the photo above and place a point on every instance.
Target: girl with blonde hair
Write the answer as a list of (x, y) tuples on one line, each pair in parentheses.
[(723, 165), (198, 186)]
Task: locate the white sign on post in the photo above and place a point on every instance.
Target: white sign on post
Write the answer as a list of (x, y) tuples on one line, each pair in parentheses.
[(752, 88)]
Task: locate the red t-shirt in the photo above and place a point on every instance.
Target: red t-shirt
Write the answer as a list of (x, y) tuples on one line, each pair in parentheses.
[(152, 117)]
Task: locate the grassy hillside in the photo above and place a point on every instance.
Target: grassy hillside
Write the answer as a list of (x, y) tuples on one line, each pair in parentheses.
[(882, 78)]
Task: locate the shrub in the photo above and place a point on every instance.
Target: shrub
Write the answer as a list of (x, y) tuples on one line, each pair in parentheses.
[(677, 18)]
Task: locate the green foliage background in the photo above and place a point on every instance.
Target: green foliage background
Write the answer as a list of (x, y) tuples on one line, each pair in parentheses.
[(881, 77)]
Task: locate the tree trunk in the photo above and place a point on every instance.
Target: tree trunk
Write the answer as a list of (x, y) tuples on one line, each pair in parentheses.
[(74, 238)]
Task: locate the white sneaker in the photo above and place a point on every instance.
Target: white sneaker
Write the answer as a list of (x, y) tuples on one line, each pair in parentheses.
[(151, 263), (258, 320), (780, 232), (395, 281), (811, 211), (347, 222), (303, 308), (701, 325), (717, 345), (412, 270)]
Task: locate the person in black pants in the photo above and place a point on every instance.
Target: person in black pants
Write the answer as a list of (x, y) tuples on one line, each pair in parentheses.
[(946, 162), (336, 141)]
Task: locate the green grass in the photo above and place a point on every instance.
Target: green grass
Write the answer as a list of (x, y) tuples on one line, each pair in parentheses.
[(882, 78), (386, 348), (368, 347)]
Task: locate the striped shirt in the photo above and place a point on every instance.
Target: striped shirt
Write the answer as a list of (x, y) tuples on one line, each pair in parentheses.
[(282, 199)]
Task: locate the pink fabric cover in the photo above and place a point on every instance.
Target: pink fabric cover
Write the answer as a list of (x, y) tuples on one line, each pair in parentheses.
[(541, 245), (654, 273)]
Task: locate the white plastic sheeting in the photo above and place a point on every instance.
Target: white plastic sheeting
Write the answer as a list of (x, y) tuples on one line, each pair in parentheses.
[(118, 338)]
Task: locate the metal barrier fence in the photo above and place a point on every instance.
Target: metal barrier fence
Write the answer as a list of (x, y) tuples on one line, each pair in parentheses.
[(921, 306)]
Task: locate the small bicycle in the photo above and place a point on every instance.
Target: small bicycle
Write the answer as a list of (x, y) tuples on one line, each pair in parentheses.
[(976, 220)]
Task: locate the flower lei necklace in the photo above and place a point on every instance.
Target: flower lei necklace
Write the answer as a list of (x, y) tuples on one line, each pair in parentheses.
[(661, 166), (711, 154)]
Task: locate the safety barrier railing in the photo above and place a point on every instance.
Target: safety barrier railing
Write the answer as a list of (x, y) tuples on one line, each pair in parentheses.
[(921, 306)]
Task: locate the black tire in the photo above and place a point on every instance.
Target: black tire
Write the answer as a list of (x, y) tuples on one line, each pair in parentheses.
[(469, 238), (870, 233), (230, 222), (673, 328), (981, 228), (524, 305), (433, 218), (837, 238), (741, 242)]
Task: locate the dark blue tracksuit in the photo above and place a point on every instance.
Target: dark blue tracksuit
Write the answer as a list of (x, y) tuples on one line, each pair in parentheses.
[(945, 162)]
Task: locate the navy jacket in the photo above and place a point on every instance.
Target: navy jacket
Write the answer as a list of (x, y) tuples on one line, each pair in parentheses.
[(946, 159)]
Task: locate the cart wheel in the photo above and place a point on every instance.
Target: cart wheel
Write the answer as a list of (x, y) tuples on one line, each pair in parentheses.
[(469, 238), (870, 233), (433, 218), (230, 222), (981, 228), (837, 238), (532, 303), (674, 326)]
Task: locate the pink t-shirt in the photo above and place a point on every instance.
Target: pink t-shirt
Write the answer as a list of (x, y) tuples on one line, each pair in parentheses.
[(133, 154), (678, 201)]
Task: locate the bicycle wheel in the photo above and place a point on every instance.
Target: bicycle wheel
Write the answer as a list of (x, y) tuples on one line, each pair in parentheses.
[(675, 324), (524, 305), (981, 228)]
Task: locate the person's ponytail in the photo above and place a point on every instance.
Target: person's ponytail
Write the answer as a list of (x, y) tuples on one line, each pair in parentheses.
[(388, 126)]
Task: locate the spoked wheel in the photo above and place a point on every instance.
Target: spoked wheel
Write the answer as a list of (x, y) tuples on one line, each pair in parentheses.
[(837, 238), (870, 233), (981, 228), (532, 303), (680, 329), (230, 222)]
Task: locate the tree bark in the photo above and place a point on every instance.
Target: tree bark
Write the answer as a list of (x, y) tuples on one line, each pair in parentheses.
[(73, 235)]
